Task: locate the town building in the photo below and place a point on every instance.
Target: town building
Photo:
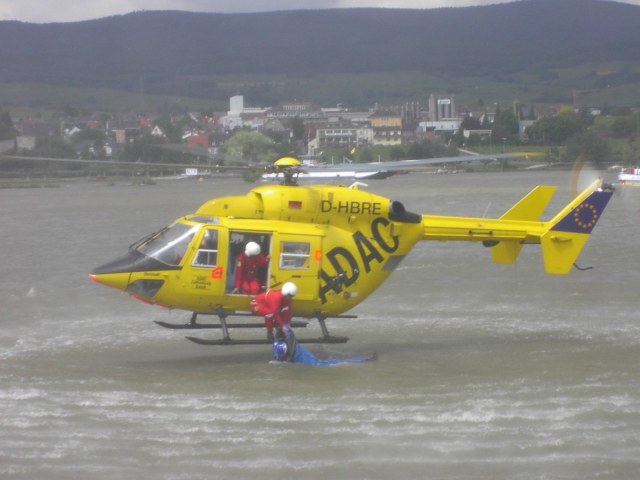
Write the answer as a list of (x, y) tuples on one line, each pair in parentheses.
[(342, 135), (387, 128)]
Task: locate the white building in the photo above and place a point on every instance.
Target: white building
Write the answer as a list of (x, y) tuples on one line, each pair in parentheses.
[(342, 136), (233, 119), (239, 115), (441, 126)]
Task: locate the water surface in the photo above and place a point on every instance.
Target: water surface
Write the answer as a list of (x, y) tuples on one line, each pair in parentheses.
[(485, 371)]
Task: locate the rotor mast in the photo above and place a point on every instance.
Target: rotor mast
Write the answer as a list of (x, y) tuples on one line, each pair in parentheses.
[(290, 169)]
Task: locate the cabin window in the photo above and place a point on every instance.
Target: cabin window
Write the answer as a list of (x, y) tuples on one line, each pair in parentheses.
[(207, 255), (294, 255), (170, 244)]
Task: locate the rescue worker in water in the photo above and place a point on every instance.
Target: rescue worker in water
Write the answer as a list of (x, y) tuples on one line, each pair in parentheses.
[(292, 351), (275, 307), (249, 267)]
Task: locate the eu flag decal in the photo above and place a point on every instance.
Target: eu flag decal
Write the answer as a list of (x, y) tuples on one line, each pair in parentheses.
[(584, 217)]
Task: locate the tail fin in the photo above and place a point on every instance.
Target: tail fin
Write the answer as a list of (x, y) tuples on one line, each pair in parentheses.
[(569, 230), (530, 208), (532, 205)]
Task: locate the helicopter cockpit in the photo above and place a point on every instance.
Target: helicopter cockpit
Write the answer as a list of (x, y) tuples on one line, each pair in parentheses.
[(170, 244), (204, 248)]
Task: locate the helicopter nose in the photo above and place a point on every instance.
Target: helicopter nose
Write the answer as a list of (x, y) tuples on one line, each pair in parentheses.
[(119, 281), (118, 274)]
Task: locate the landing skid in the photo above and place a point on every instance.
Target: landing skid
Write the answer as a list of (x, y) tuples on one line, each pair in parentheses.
[(225, 327), (258, 341)]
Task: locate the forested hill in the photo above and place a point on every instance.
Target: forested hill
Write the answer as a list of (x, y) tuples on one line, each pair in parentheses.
[(162, 46)]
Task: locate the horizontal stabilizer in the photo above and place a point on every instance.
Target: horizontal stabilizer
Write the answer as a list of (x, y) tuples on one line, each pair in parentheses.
[(530, 208)]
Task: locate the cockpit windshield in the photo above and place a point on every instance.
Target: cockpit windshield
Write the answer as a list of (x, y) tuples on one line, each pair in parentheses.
[(169, 245)]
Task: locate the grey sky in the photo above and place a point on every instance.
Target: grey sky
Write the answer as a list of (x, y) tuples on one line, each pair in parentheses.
[(44, 11)]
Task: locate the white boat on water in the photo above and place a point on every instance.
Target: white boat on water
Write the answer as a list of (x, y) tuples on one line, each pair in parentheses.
[(629, 176)]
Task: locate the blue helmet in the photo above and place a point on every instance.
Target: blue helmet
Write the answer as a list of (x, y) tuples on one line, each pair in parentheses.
[(279, 350)]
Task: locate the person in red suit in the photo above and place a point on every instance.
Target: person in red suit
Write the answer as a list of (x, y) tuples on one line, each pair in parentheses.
[(249, 266), (275, 307)]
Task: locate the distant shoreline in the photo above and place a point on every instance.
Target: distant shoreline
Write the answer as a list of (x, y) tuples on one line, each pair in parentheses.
[(55, 182)]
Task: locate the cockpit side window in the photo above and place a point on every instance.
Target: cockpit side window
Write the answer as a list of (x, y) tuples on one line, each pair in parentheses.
[(207, 255), (170, 244)]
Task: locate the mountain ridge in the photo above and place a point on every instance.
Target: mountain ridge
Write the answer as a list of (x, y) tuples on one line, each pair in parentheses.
[(162, 48)]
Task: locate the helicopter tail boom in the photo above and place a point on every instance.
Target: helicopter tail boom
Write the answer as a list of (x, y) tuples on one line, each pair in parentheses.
[(561, 238)]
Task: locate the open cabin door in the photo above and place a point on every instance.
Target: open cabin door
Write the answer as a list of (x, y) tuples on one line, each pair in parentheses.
[(254, 269)]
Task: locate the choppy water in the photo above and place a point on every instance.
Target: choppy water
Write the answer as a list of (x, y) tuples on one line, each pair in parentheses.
[(484, 371)]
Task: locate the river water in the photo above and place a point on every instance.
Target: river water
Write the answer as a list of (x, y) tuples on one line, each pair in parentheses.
[(485, 371)]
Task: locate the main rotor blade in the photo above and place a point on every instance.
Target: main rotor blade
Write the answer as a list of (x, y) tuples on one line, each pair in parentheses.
[(409, 164)]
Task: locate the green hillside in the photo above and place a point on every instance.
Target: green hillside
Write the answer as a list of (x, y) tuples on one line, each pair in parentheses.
[(533, 51)]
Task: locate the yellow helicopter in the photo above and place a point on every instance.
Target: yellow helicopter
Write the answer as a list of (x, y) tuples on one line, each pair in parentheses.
[(336, 243)]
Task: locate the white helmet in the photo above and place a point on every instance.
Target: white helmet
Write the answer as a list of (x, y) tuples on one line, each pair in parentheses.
[(252, 249), (290, 289)]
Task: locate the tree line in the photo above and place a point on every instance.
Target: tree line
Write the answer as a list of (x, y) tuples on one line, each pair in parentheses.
[(612, 137)]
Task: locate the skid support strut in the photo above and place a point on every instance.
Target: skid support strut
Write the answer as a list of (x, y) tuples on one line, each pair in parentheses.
[(223, 323), (323, 327)]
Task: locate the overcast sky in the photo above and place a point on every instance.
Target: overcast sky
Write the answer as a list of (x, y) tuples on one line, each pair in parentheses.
[(44, 11)]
